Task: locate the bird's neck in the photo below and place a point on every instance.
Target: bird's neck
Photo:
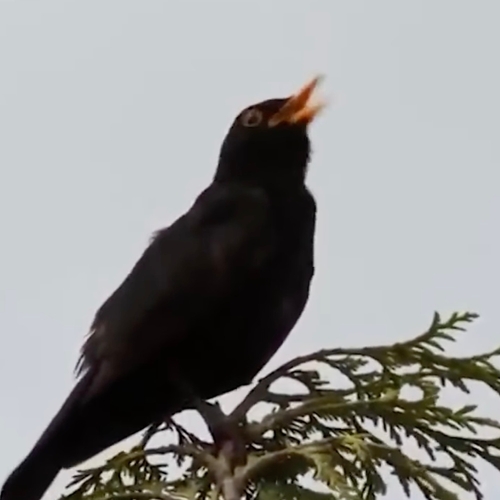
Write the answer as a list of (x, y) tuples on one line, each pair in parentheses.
[(268, 175)]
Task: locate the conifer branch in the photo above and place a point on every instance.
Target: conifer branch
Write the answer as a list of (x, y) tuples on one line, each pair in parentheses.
[(344, 437)]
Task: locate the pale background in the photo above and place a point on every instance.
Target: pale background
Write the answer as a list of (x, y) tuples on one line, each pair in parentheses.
[(111, 116)]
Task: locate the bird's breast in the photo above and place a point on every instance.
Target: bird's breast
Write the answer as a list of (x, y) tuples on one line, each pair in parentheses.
[(256, 323), (236, 340)]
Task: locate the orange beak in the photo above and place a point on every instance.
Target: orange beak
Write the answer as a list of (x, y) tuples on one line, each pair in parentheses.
[(298, 109)]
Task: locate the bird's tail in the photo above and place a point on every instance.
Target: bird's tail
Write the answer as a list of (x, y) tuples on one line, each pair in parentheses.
[(36, 472), (31, 478), (84, 426)]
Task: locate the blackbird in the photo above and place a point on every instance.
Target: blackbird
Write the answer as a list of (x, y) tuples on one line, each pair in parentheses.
[(208, 303)]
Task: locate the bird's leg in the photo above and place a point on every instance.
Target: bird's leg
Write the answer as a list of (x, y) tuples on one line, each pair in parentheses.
[(214, 417), (226, 432), (149, 433)]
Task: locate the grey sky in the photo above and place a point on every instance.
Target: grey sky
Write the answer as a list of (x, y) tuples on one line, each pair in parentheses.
[(111, 116)]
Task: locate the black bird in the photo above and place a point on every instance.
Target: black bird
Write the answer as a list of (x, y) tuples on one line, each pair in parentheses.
[(208, 303)]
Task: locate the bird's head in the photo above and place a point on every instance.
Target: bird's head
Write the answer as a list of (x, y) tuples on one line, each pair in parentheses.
[(268, 141)]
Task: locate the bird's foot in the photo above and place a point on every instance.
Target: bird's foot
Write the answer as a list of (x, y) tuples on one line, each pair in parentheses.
[(230, 440), (227, 433)]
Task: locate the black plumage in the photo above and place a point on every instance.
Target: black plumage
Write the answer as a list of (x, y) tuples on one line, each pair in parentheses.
[(208, 303)]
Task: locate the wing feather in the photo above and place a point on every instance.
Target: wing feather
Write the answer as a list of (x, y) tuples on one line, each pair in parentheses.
[(188, 269)]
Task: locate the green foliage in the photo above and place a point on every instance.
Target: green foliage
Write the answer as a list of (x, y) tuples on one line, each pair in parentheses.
[(348, 439)]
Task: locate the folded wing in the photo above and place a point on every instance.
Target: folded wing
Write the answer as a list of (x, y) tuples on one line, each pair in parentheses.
[(188, 270)]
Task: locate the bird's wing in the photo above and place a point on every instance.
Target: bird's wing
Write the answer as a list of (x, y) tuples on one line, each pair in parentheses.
[(188, 269)]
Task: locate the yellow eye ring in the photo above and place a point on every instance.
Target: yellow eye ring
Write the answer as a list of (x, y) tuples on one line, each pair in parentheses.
[(251, 117)]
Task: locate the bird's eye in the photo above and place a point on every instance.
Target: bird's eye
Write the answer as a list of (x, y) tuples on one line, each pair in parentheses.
[(251, 118)]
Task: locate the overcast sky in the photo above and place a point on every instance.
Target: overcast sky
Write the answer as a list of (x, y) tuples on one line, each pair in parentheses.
[(111, 117)]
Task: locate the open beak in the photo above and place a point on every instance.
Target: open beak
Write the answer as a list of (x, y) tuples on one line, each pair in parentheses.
[(298, 109)]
